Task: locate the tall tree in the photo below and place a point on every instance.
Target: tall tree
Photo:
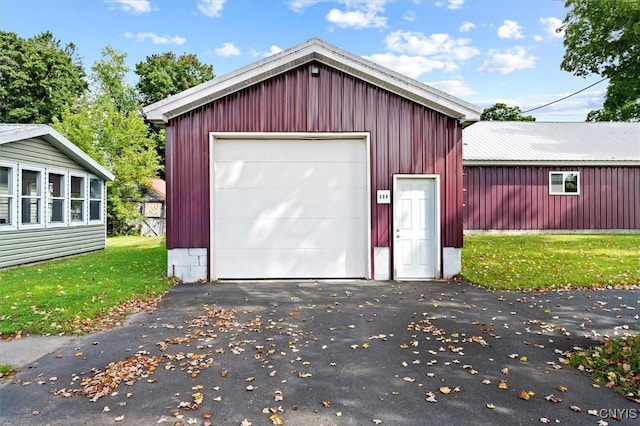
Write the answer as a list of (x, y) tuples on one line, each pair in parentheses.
[(165, 75), (38, 77), (502, 112), (603, 37), (107, 125)]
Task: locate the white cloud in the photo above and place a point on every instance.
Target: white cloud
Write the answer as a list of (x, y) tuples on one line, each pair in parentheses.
[(227, 49), (134, 6), (211, 8), (411, 66), (272, 51), (299, 5), (359, 14), (467, 26), (410, 16), (439, 45), (453, 87), (510, 29), (550, 25), (508, 61), (156, 39), (455, 4)]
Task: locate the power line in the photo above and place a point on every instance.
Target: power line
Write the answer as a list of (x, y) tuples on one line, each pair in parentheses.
[(568, 96)]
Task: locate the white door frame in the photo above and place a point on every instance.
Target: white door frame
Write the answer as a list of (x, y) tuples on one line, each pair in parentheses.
[(266, 136), (438, 249)]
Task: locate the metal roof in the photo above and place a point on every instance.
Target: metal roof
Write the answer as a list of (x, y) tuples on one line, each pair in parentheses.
[(312, 50), (526, 142), (17, 132)]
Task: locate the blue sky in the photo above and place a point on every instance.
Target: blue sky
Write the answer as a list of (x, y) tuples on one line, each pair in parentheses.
[(483, 51)]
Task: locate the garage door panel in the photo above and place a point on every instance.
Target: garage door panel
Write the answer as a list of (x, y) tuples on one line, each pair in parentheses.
[(289, 233), (289, 263), (348, 150), (289, 203), (242, 174), (290, 208)]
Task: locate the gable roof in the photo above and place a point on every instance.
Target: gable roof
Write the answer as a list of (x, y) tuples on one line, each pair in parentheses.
[(539, 143), (17, 132), (159, 186), (311, 50)]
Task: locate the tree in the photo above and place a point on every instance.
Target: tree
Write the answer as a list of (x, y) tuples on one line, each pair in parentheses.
[(165, 75), (502, 112), (108, 126), (38, 77), (603, 37)]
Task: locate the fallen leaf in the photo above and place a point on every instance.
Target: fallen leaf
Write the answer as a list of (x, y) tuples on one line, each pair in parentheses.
[(490, 406), (523, 358), (224, 372), (562, 388), (524, 395), (377, 421), (246, 422), (326, 404), (602, 423), (544, 420), (249, 379), (593, 412), (409, 379), (505, 371), (119, 418), (486, 382), (445, 390), (431, 397), (249, 388), (552, 398), (503, 385), (575, 408), (198, 398)]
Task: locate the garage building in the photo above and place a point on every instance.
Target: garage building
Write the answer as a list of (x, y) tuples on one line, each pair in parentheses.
[(313, 163)]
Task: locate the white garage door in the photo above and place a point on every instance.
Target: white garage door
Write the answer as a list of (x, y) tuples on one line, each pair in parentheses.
[(289, 208)]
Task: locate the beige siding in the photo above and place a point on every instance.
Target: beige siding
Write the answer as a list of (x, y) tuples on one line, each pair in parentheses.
[(35, 152), (33, 245)]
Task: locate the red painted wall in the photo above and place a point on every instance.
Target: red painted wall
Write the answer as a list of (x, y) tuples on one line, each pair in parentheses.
[(405, 138), (517, 198)]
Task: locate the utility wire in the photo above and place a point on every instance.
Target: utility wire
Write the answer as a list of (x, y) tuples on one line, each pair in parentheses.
[(568, 96)]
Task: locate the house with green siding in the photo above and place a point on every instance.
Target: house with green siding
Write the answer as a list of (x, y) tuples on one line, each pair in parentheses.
[(52, 196)]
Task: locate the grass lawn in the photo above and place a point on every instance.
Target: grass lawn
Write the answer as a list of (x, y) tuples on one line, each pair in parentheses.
[(531, 262), (79, 294)]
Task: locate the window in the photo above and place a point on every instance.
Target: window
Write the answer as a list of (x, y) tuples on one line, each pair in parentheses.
[(77, 199), (7, 196), (56, 199), (31, 197), (564, 183), (95, 200)]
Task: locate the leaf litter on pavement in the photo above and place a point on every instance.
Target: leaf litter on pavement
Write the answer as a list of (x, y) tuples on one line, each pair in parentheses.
[(430, 357)]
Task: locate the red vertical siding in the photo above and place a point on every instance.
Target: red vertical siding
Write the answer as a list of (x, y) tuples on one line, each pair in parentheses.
[(405, 138), (517, 198)]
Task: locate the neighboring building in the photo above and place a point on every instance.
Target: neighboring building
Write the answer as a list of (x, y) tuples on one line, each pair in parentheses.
[(552, 176), (152, 208), (52, 196), (285, 169)]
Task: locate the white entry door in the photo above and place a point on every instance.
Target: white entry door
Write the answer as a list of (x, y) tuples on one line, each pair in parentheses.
[(416, 227)]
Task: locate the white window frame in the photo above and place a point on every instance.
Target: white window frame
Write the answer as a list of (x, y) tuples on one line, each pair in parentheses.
[(12, 196), (64, 198), (85, 207), (101, 200), (40, 197), (564, 176)]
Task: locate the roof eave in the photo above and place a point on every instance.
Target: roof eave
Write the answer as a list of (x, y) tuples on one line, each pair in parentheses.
[(313, 50), (552, 163)]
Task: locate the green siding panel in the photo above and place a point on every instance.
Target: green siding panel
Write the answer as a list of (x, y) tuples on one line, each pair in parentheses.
[(37, 152), (34, 245)]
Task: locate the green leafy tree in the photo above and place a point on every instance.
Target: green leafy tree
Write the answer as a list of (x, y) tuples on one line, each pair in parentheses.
[(603, 37), (164, 75), (38, 77), (107, 125), (502, 112)]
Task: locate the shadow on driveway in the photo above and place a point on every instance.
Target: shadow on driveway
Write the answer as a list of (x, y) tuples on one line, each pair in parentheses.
[(346, 353)]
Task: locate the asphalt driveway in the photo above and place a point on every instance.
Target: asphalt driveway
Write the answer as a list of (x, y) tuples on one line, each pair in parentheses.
[(346, 353)]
